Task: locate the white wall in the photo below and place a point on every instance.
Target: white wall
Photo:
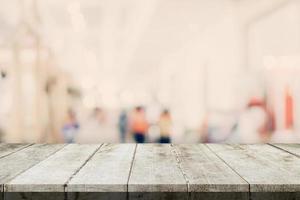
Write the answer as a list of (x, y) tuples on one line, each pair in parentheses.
[(276, 36), (207, 70)]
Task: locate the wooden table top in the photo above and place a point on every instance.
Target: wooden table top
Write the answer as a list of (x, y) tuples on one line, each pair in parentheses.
[(149, 168)]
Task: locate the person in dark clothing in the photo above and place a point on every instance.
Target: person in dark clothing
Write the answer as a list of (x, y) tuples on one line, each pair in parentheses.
[(123, 125)]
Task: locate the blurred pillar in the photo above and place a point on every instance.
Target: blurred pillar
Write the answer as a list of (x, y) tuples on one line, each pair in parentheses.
[(16, 127)]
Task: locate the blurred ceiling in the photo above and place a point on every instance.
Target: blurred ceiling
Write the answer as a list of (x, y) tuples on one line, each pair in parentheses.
[(110, 39)]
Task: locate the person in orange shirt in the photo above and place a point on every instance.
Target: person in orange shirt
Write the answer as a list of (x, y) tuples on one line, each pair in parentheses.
[(139, 124)]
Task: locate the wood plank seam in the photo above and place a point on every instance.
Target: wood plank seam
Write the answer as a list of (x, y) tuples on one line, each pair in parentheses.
[(232, 170), (85, 162), (179, 161), (282, 149), (155, 170), (180, 167), (267, 169), (130, 170), (4, 189), (25, 146)]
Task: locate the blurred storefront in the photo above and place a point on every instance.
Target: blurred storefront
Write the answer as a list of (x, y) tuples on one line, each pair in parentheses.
[(76, 71)]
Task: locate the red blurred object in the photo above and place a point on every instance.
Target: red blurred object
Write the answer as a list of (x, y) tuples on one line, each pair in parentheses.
[(255, 102), (289, 109), (269, 124)]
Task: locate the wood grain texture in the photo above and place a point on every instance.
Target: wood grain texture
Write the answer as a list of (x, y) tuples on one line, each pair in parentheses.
[(206, 172), (53, 173), (150, 171), (275, 196), (220, 196), (97, 196), (107, 171), (35, 196), (159, 196), (7, 149), (22, 160), (155, 169), (266, 168), (292, 148)]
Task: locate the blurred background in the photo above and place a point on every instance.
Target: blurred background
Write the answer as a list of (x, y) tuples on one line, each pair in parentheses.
[(181, 71)]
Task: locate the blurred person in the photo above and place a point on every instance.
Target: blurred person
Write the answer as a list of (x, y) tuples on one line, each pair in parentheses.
[(99, 115), (139, 124), (165, 126), (70, 127), (96, 129), (1, 135), (123, 125), (289, 109), (204, 130), (217, 126), (253, 124)]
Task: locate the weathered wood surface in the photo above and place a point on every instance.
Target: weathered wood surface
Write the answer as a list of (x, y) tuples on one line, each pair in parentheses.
[(20, 161), (36, 196), (107, 171), (265, 168), (291, 148), (53, 173), (205, 172), (7, 149), (127, 171), (156, 169)]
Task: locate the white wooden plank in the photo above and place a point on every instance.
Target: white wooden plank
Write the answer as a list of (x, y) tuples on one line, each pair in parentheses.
[(292, 148), (155, 169), (18, 162), (7, 149), (206, 172), (53, 173), (266, 168), (107, 171)]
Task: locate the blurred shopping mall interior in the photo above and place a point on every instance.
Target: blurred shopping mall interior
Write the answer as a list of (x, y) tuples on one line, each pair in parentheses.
[(180, 71)]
